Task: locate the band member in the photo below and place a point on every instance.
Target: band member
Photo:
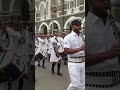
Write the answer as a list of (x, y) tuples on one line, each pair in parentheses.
[(3, 85), (64, 56), (74, 47), (40, 51), (55, 56), (17, 46), (48, 47), (102, 50), (4, 34), (29, 40)]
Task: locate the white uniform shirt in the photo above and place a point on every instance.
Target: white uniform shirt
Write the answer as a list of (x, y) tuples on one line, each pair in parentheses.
[(29, 42), (62, 41), (55, 41), (47, 43), (14, 38), (44, 46), (50, 45), (41, 41), (99, 39), (74, 41), (53, 57)]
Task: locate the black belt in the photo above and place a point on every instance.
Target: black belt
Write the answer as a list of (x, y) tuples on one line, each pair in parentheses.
[(100, 86), (103, 74), (78, 57), (75, 62), (114, 74)]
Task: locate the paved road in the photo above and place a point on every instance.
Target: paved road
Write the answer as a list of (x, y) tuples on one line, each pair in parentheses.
[(48, 81)]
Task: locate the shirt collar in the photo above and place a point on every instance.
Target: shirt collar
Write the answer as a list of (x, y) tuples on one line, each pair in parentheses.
[(73, 33), (92, 18), (55, 36)]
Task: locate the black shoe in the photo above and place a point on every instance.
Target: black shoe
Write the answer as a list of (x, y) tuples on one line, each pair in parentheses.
[(60, 74), (44, 67), (52, 72)]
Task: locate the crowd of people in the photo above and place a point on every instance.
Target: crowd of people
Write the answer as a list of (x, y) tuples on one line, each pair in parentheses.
[(102, 50), (45, 51), (16, 40), (67, 47)]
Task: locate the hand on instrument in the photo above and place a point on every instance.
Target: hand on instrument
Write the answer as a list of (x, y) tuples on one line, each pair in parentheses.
[(115, 50), (82, 47)]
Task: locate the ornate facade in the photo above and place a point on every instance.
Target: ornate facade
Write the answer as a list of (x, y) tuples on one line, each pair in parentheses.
[(65, 12)]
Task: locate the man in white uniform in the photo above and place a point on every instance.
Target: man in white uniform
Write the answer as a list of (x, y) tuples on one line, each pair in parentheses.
[(41, 51), (29, 36), (64, 55), (17, 45), (54, 57), (4, 34), (3, 85), (102, 67), (74, 48)]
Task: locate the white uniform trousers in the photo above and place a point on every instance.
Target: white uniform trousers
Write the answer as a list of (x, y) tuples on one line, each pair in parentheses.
[(77, 76)]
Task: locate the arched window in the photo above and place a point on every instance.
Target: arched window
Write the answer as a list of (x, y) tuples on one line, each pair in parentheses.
[(69, 5), (42, 10)]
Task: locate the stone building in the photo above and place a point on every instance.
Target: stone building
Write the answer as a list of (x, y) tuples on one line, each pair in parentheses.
[(25, 8), (65, 12)]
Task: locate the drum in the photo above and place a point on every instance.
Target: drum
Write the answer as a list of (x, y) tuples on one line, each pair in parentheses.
[(39, 56), (11, 68), (61, 49)]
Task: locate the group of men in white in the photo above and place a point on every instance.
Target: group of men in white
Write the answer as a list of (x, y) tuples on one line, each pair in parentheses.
[(68, 47), (17, 36), (45, 46)]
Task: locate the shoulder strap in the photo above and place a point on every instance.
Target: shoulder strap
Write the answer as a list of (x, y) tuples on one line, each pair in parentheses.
[(56, 39)]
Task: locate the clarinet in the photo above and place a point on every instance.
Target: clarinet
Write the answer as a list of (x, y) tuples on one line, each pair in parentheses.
[(83, 38), (115, 29)]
